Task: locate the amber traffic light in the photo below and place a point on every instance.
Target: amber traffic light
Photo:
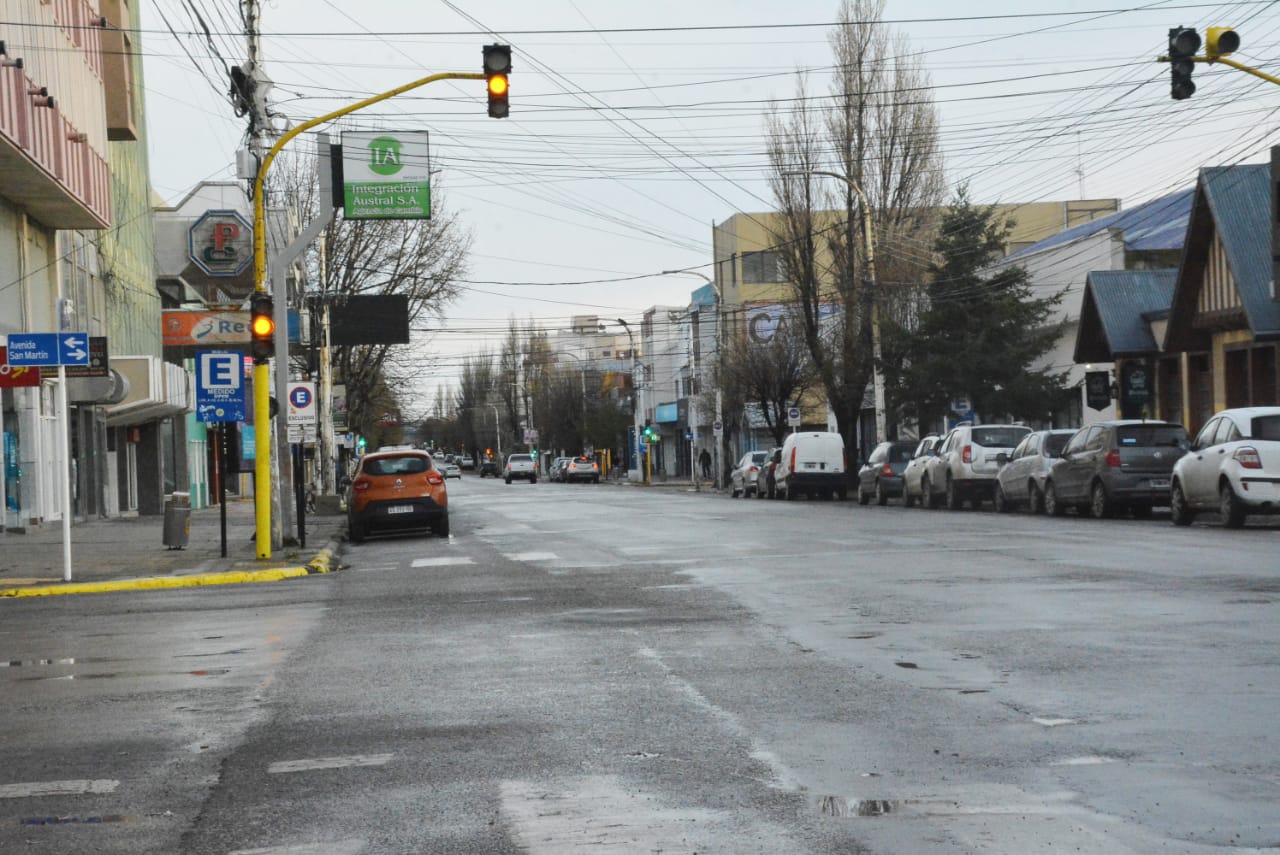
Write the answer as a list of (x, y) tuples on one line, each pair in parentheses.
[(262, 327), (497, 66)]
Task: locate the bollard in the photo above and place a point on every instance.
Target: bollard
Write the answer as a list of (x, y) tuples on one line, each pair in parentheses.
[(177, 520)]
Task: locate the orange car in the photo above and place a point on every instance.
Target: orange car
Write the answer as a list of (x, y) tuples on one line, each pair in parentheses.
[(396, 490)]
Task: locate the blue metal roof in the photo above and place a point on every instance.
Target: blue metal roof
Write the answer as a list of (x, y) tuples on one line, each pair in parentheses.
[(1160, 224), (1116, 301), (1240, 199)]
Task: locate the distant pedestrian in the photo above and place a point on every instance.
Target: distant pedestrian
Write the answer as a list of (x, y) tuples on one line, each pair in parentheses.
[(704, 460)]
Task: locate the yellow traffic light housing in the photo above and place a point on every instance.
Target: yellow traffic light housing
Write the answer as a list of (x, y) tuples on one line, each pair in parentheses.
[(1220, 41)]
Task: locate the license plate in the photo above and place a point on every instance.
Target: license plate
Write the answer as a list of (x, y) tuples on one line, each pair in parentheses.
[(400, 509), (1158, 484), (810, 465)]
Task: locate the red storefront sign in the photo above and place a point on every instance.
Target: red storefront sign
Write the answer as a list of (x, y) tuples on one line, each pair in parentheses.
[(16, 377)]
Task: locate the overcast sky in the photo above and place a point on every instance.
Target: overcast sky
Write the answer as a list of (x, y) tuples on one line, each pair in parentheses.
[(635, 126)]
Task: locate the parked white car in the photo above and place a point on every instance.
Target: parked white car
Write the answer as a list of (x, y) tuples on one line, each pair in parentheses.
[(742, 478), (966, 466), (916, 466), (813, 463), (1233, 467)]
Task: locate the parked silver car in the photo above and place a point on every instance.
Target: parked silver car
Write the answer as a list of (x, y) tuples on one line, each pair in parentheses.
[(916, 467), (742, 479), (1233, 468), (765, 486), (1114, 465), (1020, 482)]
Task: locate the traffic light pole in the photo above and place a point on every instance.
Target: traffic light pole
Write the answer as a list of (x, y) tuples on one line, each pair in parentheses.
[(1237, 65), (262, 372)]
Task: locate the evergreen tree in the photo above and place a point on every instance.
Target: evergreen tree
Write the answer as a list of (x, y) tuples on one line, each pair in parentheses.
[(980, 330)]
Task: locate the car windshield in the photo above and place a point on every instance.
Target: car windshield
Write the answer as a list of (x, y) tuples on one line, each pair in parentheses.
[(1128, 436), (1266, 427), (1054, 443), (900, 453), (759, 457), (998, 437), (408, 465), (519, 458)]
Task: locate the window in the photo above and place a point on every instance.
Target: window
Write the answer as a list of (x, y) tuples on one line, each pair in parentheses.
[(1054, 443), (408, 465), (1226, 432), (1205, 437), (997, 437), (1077, 442), (1151, 435), (1266, 427), (761, 267), (1097, 439)]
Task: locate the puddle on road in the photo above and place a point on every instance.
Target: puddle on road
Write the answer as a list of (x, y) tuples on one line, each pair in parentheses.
[(863, 636), (839, 806), (906, 664), (111, 675), (74, 820)]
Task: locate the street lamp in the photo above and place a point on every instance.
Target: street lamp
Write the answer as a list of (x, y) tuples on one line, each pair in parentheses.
[(637, 401), (876, 368)]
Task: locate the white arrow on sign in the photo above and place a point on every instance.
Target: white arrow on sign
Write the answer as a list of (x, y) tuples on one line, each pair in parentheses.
[(72, 341), (78, 354)]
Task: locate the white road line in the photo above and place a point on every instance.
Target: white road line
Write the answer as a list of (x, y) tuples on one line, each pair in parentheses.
[(442, 561), (531, 556), (336, 847), (328, 763), (1054, 722), (56, 788)]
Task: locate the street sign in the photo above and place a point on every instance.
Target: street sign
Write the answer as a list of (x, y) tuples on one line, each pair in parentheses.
[(793, 417), (220, 388), (98, 366), (718, 428), (40, 349), (302, 403), (12, 377), (302, 433)]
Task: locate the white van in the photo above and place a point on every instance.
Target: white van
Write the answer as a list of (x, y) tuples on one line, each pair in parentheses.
[(813, 463)]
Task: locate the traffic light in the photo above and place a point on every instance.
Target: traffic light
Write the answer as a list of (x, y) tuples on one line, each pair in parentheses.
[(1220, 41), (497, 65), (262, 327), (650, 433), (533, 452), (1183, 44)]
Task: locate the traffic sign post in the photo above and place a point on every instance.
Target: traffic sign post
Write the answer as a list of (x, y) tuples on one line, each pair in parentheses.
[(220, 390), (793, 418), (47, 350)]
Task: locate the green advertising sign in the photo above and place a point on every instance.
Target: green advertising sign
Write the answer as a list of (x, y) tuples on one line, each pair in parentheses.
[(386, 175)]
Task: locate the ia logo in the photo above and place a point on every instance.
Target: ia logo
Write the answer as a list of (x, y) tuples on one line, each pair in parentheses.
[(384, 156)]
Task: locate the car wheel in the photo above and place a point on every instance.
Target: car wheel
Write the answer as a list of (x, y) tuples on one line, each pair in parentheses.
[(1035, 499), (508, 480), (1179, 511), (882, 498), (1052, 506), (595, 480), (1000, 502), (355, 532), (1099, 504), (927, 499), (908, 500), (842, 493), (533, 480), (773, 490), (952, 495), (441, 526), (1231, 508), (790, 494), (863, 498)]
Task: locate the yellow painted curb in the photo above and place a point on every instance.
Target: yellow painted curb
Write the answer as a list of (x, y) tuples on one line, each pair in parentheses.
[(157, 583), (322, 563)]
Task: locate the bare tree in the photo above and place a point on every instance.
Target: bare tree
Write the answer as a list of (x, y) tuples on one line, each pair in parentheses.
[(882, 132), (421, 259), (473, 395), (773, 375)]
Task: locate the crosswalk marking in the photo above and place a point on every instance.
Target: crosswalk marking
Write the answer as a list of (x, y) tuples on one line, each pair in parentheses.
[(442, 561), (532, 556), (57, 788), (317, 763)]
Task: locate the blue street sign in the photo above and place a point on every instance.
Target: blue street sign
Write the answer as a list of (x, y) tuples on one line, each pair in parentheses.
[(48, 350), (220, 389)]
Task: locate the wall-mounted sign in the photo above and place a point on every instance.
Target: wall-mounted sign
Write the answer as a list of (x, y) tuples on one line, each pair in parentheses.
[(1136, 386), (1097, 389), (221, 243), (182, 327), (14, 377), (386, 175)]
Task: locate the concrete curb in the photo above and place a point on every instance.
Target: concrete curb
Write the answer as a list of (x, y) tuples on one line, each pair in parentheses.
[(323, 562)]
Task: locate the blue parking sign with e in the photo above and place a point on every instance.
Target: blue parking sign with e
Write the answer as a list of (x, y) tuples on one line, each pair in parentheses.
[(220, 389)]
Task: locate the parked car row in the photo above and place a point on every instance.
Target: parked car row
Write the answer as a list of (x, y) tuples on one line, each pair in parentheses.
[(1120, 466), (809, 463)]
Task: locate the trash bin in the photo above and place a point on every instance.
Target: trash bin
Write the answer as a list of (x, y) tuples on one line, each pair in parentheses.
[(177, 520)]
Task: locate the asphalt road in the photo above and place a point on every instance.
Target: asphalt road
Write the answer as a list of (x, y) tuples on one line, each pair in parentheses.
[(586, 668)]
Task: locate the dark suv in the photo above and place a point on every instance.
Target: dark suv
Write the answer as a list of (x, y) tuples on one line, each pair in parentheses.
[(1113, 465)]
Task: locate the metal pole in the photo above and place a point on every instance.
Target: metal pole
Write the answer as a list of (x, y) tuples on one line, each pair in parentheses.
[(223, 456), (64, 446)]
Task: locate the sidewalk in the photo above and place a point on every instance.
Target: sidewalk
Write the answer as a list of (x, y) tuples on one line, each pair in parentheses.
[(128, 553)]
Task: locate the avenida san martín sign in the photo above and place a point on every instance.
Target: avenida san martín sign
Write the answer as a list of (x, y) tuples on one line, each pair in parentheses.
[(386, 175)]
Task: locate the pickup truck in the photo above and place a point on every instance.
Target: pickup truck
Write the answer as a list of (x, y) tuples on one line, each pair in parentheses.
[(521, 466)]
